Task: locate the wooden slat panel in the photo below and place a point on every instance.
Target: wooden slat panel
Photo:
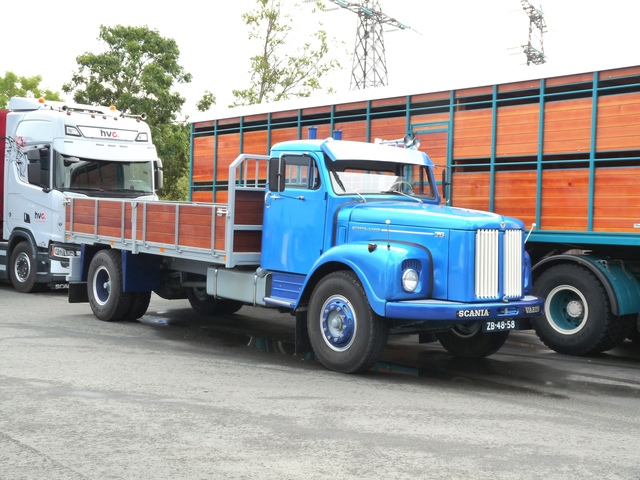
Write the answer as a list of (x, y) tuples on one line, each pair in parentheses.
[(283, 135), (351, 106), (618, 122), (619, 72), (471, 190), (249, 207), (472, 137), (356, 131), (569, 79), (228, 151), (203, 159), (400, 101), (513, 87), (565, 199), (472, 92), (567, 126), (430, 97), (388, 128), (202, 196), (256, 143), (515, 195), (517, 130), (616, 199), (247, 241)]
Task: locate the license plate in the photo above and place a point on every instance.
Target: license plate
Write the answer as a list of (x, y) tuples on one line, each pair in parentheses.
[(499, 325)]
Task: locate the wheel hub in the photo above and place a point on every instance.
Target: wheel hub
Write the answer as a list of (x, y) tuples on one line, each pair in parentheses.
[(566, 309), (575, 309), (338, 323), (23, 265)]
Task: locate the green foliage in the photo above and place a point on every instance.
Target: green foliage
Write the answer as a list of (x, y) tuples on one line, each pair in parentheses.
[(278, 72), (136, 73), (206, 101), (13, 86), (172, 139)]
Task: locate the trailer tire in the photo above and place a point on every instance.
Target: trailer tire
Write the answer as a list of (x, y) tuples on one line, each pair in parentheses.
[(577, 317), (469, 341), (347, 336), (22, 269), (109, 302), (139, 305)]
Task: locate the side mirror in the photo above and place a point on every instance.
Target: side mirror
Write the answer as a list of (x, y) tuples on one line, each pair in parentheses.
[(277, 169), (158, 175), (446, 183)]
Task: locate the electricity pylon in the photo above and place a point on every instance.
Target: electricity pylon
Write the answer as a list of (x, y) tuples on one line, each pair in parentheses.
[(369, 59), (534, 50)]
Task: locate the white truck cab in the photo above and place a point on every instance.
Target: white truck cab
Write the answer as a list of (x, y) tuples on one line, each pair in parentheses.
[(57, 150)]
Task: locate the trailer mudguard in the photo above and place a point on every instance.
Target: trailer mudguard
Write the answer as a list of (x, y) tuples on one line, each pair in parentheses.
[(379, 266), (622, 287)]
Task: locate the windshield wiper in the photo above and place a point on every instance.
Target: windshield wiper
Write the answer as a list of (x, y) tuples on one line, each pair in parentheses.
[(404, 195)]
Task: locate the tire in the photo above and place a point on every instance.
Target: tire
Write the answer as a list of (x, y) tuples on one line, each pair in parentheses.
[(347, 336), (577, 316), (469, 341), (139, 304), (22, 269), (104, 286), (206, 304)]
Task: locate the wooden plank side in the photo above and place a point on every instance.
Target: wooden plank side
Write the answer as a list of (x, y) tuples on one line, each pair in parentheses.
[(202, 158), (517, 130), (283, 135), (255, 143), (569, 79), (472, 137), (249, 207), (356, 131), (245, 241), (515, 194), (567, 126), (388, 128), (616, 199), (228, 151), (471, 190), (565, 199), (618, 122), (619, 72), (517, 86)]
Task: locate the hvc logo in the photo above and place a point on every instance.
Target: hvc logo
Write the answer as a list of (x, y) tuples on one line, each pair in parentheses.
[(108, 133), (39, 217)]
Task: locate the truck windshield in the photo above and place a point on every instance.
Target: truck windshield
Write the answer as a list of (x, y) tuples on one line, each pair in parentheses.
[(381, 178), (101, 176)]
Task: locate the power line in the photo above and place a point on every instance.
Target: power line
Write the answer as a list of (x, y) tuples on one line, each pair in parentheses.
[(534, 49)]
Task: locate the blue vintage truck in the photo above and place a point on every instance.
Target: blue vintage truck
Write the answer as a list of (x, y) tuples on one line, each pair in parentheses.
[(349, 237)]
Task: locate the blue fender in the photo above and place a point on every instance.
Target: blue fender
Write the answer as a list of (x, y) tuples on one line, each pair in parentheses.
[(621, 286), (379, 268)]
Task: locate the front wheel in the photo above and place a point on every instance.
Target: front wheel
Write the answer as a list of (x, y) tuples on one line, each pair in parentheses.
[(469, 341), (108, 300), (347, 336), (22, 269), (577, 316)]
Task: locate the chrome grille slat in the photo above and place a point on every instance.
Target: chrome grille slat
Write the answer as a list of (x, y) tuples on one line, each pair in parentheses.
[(488, 275)]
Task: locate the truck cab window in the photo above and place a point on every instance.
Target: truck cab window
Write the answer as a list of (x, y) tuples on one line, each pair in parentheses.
[(301, 172), (38, 167)]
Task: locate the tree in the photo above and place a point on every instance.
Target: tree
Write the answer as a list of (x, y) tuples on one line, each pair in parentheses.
[(136, 72), (277, 73), (13, 86)]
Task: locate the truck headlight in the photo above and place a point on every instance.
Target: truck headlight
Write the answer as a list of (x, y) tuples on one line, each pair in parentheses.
[(61, 252), (410, 280)]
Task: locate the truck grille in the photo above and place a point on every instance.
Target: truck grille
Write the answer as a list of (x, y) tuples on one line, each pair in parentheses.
[(490, 276)]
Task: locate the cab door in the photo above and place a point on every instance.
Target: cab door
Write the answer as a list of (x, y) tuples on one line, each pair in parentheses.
[(294, 218)]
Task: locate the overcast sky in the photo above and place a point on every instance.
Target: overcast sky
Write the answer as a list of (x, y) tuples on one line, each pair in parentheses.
[(460, 42)]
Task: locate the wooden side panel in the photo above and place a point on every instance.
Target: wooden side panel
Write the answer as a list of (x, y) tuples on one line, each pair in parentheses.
[(256, 142), (565, 199), (619, 72), (283, 135), (195, 226), (247, 241), (515, 195), (110, 219), (433, 144), (356, 131), (567, 127), (203, 159), (472, 137), (249, 207), (160, 223), (517, 130), (228, 151), (83, 216), (471, 190), (618, 122), (202, 196), (570, 79), (617, 200), (388, 128)]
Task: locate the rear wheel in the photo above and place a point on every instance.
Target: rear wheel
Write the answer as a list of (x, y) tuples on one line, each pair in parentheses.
[(139, 304), (577, 316), (469, 341), (107, 298), (22, 269), (347, 336), (206, 304)]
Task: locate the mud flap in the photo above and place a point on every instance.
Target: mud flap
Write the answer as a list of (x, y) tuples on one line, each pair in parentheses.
[(303, 343), (78, 293)]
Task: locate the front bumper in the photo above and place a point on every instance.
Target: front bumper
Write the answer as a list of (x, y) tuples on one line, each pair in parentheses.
[(439, 310)]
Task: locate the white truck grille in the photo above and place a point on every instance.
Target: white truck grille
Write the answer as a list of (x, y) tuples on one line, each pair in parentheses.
[(489, 272)]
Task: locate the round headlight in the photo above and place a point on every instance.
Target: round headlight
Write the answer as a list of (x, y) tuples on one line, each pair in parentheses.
[(410, 280)]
